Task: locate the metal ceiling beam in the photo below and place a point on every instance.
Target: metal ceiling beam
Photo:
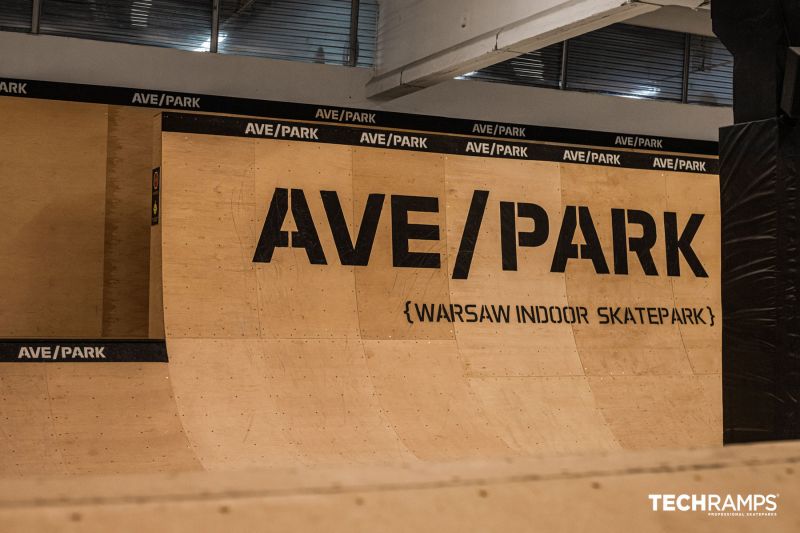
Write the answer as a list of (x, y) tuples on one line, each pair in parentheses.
[(214, 45), (36, 13), (425, 43), (687, 60), (355, 7)]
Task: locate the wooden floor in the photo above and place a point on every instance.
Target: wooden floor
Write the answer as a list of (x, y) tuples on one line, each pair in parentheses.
[(600, 493)]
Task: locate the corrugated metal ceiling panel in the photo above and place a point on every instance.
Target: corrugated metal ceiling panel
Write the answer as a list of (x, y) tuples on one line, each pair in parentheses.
[(286, 30), (710, 72), (15, 15), (298, 30), (541, 68), (184, 24), (628, 60)]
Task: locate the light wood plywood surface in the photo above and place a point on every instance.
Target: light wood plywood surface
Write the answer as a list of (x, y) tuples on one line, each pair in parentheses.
[(271, 360)]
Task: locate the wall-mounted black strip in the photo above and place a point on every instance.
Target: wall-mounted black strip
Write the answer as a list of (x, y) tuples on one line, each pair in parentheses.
[(443, 144), (82, 351), (341, 115)]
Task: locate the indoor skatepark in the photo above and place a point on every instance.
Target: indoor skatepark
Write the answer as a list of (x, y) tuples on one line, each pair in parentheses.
[(237, 312)]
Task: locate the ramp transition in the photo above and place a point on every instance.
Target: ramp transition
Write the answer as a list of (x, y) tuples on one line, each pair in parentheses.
[(332, 303), (348, 295)]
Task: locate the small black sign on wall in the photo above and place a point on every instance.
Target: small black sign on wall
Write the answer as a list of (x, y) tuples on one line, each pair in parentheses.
[(155, 206)]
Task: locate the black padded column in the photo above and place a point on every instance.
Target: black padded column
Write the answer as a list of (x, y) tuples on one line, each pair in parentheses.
[(760, 174)]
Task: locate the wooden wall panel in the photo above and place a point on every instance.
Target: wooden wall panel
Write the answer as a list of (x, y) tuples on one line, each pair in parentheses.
[(53, 164), (126, 279)]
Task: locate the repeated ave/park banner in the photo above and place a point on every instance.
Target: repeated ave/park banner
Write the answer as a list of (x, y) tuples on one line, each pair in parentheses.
[(422, 238), (178, 101), (317, 125), (431, 142)]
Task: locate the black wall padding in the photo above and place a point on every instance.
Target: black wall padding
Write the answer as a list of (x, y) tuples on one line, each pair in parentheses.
[(760, 175), (757, 33)]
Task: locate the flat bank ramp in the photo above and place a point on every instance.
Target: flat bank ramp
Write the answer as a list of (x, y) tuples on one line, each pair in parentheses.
[(602, 492), (298, 358)]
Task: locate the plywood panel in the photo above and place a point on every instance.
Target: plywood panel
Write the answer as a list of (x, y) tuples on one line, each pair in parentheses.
[(75, 264), (126, 273), (703, 345), (53, 166), (431, 407), (382, 289), (547, 415), (208, 199), (294, 361), (681, 411), (624, 359), (505, 349), (331, 287), (278, 402), (614, 348), (77, 418)]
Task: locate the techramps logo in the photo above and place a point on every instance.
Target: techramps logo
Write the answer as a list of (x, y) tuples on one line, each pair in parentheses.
[(717, 505)]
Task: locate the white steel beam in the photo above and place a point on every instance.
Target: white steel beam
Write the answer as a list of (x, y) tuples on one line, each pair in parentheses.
[(424, 42)]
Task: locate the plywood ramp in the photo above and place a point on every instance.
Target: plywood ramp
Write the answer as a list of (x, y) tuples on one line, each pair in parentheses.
[(53, 160), (74, 250), (294, 363), (126, 279), (603, 493), (72, 418), (74, 255)]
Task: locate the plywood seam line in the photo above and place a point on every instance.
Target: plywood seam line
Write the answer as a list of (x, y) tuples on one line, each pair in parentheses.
[(190, 445), (567, 298), (586, 377), (480, 403), (672, 288), (52, 418), (387, 423)]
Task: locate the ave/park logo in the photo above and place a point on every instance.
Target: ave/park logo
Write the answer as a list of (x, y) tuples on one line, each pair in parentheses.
[(12, 87), (166, 100), (677, 242)]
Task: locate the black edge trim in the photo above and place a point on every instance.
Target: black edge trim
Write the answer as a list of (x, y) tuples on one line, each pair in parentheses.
[(342, 115), (433, 143), (101, 351)]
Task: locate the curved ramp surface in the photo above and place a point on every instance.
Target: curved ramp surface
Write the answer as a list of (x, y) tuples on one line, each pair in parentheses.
[(419, 312), (74, 265), (411, 304)]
